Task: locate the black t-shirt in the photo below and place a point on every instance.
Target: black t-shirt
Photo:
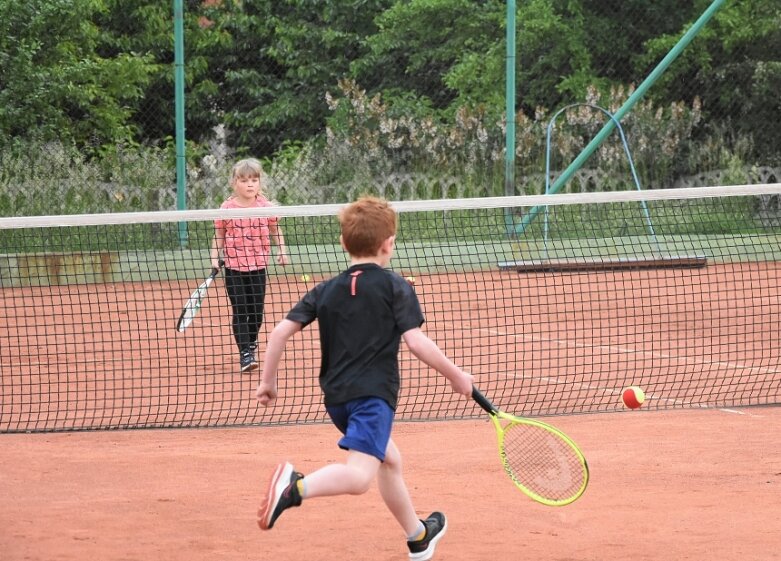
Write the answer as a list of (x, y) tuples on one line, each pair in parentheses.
[(362, 314)]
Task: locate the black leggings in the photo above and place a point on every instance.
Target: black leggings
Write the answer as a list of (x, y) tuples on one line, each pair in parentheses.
[(247, 293)]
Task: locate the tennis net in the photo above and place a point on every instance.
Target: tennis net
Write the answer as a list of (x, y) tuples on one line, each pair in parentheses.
[(555, 303)]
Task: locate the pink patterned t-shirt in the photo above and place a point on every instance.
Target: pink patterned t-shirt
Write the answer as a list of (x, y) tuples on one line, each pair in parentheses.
[(247, 245)]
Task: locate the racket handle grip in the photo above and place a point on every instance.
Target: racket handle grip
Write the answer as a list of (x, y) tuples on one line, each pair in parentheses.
[(482, 401), (216, 270)]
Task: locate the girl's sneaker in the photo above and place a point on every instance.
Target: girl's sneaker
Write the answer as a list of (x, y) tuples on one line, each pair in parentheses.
[(247, 361)]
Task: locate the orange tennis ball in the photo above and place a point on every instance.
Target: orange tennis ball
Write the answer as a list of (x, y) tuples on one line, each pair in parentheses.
[(633, 397)]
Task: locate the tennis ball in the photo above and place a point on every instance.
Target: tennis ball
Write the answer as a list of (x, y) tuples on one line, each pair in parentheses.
[(306, 278), (411, 280), (633, 397)]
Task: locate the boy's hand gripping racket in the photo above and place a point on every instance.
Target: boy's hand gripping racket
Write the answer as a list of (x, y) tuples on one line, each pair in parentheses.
[(195, 300), (541, 460)]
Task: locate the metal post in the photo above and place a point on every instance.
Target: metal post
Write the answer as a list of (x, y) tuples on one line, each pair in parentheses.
[(181, 162), (634, 98), (509, 152)]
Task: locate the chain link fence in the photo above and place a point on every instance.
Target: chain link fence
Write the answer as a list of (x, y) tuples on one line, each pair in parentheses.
[(404, 99)]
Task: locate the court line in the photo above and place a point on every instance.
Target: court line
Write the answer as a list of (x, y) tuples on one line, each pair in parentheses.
[(626, 350)]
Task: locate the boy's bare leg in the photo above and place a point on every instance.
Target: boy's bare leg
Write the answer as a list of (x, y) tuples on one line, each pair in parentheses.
[(354, 477), (394, 491)]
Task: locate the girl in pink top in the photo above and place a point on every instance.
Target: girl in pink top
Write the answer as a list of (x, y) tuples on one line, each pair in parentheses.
[(244, 245)]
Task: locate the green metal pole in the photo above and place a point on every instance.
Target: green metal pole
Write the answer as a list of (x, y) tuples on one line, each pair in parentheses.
[(181, 162), (509, 152), (634, 98)]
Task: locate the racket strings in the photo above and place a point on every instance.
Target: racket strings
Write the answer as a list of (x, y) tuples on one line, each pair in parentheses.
[(543, 462)]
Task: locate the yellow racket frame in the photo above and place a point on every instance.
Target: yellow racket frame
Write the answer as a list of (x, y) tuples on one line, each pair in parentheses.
[(498, 416)]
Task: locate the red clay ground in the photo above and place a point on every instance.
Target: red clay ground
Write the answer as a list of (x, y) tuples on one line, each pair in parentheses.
[(666, 485)]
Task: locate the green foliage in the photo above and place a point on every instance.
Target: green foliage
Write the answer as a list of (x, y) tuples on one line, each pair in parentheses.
[(617, 34), (372, 137), (655, 136), (734, 66), (436, 50), (38, 178), (56, 83), (336, 94), (554, 62), (452, 53), (272, 69), (145, 27)]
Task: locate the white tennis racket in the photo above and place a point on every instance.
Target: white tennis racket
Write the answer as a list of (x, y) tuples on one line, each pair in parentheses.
[(193, 304)]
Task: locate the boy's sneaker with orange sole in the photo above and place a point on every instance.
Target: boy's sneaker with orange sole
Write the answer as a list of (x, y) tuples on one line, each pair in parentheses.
[(282, 494)]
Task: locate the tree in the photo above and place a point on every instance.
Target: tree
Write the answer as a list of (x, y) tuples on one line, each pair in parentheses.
[(268, 82), (734, 67), (146, 27), (452, 52), (617, 33), (55, 84), (423, 48)]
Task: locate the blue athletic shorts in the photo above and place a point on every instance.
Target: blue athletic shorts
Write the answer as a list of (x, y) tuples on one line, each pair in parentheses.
[(365, 423)]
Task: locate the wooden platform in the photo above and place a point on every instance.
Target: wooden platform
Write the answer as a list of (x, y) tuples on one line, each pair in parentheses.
[(606, 264)]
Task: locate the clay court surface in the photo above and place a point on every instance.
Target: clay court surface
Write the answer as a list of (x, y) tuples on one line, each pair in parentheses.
[(666, 485), (673, 481)]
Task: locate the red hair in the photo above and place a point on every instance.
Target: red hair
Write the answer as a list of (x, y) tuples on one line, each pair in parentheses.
[(366, 224)]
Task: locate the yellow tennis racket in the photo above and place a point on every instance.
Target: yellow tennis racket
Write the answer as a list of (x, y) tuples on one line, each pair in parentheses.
[(542, 461)]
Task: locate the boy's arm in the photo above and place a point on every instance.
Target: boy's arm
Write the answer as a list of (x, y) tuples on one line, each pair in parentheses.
[(276, 233), (428, 351), (267, 389)]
